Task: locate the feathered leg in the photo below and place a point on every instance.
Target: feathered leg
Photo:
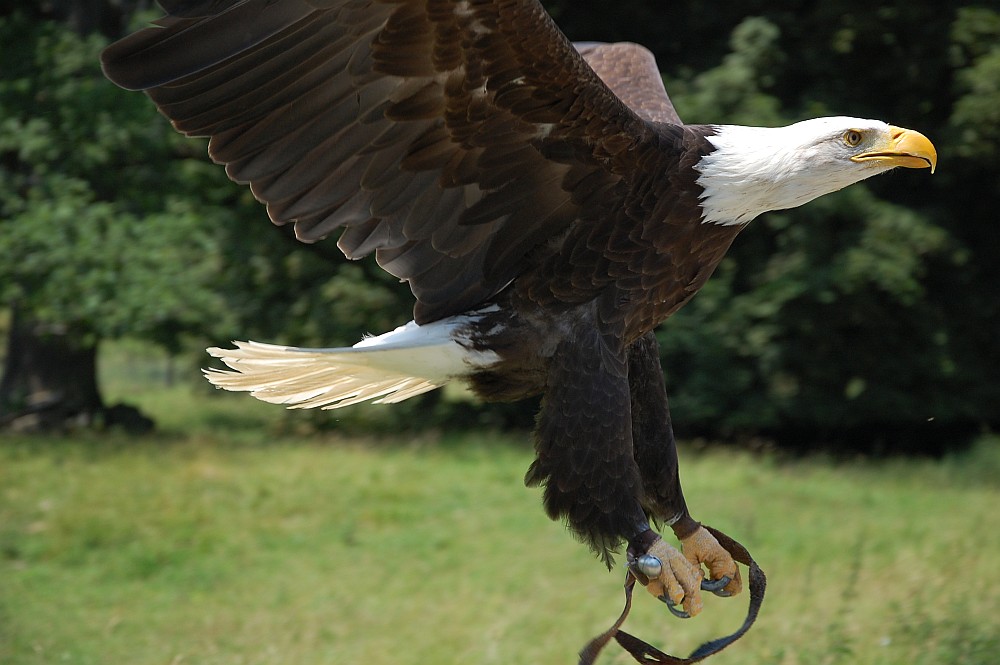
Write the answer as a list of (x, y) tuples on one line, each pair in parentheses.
[(584, 444), (653, 438), (656, 457)]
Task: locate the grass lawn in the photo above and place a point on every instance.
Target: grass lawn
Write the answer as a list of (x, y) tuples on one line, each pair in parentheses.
[(224, 546)]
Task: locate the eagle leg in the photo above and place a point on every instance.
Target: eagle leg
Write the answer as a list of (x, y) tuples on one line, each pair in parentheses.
[(655, 453), (583, 442), (607, 460)]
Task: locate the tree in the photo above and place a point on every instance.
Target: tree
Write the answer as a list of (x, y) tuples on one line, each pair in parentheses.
[(93, 244)]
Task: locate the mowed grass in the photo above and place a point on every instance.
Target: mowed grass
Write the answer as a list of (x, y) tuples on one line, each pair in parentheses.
[(221, 542)]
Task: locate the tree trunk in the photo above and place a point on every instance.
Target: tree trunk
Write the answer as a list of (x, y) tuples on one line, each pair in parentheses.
[(49, 378)]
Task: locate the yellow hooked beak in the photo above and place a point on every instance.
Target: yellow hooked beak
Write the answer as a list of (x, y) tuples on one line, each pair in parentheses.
[(902, 147)]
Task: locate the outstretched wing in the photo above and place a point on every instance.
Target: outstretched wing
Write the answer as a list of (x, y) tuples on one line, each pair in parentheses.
[(630, 71), (450, 137)]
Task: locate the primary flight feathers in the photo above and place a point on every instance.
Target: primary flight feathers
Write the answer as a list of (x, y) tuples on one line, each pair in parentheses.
[(450, 138)]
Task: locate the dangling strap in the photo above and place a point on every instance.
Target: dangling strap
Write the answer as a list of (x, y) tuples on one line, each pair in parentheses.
[(644, 652)]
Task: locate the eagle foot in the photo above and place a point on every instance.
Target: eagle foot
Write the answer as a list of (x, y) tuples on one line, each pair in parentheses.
[(677, 579), (702, 548), (670, 577), (706, 585)]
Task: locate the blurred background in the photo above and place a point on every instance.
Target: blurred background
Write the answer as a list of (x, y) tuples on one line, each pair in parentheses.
[(868, 319), (861, 329)]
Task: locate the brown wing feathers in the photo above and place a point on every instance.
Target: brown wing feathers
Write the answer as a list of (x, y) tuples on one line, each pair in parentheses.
[(630, 71), (179, 47), (452, 138)]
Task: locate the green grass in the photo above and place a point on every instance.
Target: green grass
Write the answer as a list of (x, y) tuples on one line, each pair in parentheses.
[(222, 544)]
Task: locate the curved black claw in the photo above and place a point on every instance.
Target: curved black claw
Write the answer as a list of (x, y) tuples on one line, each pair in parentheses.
[(716, 586), (672, 606)]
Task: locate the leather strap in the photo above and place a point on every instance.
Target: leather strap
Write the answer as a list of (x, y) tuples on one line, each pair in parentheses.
[(644, 652)]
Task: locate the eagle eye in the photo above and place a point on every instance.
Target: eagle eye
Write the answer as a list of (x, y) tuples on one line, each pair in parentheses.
[(852, 137)]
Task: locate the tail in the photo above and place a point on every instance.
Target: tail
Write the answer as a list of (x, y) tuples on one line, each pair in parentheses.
[(389, 368)]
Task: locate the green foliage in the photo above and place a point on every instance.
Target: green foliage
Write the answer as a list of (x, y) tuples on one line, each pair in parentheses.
[(98, 230), (282, 290), (734, 91), (89, 265), (807, 315), (975, 36)]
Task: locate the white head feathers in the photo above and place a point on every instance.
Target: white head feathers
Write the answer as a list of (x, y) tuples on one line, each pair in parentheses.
[(757, 169)]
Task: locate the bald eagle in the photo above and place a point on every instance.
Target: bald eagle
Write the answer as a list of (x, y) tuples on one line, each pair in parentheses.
[(543, 201)]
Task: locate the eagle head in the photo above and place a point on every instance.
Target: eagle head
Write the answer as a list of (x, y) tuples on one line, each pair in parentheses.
[(751, 170)]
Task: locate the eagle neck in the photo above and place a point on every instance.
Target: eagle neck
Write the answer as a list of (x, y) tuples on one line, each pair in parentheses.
[(745, 172)]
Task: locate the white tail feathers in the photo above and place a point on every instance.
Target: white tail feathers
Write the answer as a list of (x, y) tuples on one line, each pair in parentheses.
[(389, 368)]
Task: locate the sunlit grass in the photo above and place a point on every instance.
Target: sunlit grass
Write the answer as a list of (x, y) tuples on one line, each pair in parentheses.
[(224, 542)]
